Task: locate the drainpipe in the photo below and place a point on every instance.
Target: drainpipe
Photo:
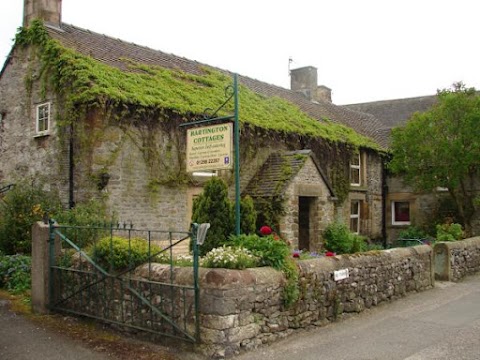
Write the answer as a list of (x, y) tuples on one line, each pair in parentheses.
[(71, 167), (384, 203)]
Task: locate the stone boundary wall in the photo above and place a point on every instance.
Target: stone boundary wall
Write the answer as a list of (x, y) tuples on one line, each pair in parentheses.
[(455, 260), (243, 309)]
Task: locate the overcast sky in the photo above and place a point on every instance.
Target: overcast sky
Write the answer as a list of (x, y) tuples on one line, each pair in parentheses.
[(364, 50)]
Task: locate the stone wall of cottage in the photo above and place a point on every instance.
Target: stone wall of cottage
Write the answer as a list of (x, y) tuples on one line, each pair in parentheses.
[(243, 309), (105, 148), (374, 197), (455, 260), (424, 208), (132, 191), (370, 196), (23, 154)]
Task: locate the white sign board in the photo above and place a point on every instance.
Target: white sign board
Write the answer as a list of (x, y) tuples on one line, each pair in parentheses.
[(340, 274), (209, 147)]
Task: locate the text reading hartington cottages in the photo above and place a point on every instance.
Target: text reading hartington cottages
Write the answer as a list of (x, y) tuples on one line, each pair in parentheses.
[(211, 134)]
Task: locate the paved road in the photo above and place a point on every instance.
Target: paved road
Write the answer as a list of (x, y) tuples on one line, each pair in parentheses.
[(438, 324), (21, 339)]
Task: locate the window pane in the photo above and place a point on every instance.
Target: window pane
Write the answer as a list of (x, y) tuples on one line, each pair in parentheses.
[(354, 225), (401, 212), (355, 160), (43, 114), (41, 125), (355, 176), (355, 208)]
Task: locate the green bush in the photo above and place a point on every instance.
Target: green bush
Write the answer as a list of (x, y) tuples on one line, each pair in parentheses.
[(88, 218), (412, 232), (248, 216), (120, 253), (22, 206), (15, 273), (271, 252), (230, 258), (340, 240), (269, 211), (214, 207), (359, 244), (275, 253), (449, 232)]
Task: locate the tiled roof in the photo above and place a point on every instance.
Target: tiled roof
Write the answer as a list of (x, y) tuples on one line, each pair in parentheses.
[(111, 51), (276, 173), (394, 113)]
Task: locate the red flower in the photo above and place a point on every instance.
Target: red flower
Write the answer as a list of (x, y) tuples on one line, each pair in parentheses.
[(265, 230), (329, 253)]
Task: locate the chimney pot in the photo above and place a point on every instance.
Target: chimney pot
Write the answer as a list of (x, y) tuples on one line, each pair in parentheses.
[(304, 80), (49, 11)]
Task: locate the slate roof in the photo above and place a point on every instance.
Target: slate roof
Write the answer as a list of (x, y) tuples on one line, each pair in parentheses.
[(111, 51), (277, 172), (396, 112)]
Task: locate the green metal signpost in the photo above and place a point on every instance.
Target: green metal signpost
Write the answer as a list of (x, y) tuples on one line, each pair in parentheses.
[(236, 139)]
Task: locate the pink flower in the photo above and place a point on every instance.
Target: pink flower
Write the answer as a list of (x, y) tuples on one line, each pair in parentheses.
[(296, 253), (329, 253), (265, 230)]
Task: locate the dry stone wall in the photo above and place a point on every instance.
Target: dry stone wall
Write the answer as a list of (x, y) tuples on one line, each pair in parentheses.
[(243, 309), (455, 260)]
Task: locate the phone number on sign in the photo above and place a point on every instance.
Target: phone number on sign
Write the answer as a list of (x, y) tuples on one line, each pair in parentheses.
[(209, 161)]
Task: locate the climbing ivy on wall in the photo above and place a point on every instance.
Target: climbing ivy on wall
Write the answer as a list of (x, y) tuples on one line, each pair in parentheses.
[(148, 98)]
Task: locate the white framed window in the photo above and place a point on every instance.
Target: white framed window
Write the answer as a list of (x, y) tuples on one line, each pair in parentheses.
[(42, 120), (400, 213), (355, 216), (355, 170)]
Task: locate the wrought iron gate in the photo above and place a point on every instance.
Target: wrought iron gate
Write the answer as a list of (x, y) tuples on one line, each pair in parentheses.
[(147, 296)]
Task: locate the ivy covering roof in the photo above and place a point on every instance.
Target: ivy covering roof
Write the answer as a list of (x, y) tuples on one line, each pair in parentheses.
[(96, 69)]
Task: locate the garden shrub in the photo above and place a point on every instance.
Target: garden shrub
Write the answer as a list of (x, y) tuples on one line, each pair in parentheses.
[(20, 208), (271, 252), (248, 216), (449, 232), (340, 240), (229, 257), (269, 211), (15, 273), (88, 219), (214, 207), (412, 232), (275, 253), (121, 253), (359, 244)]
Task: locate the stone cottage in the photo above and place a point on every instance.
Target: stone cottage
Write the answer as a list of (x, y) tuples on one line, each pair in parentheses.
[(98, 117), (404, 206)]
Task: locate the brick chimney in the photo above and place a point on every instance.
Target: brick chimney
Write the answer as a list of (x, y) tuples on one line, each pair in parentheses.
[(50, 11), (304, 80)]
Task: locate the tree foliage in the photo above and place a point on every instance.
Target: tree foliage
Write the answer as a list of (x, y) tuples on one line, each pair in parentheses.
[(22, 206), (214, 207), (248, 215), (441, 148)]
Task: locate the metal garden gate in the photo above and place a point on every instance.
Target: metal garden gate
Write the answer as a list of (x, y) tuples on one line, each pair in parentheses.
[(89, 279)]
